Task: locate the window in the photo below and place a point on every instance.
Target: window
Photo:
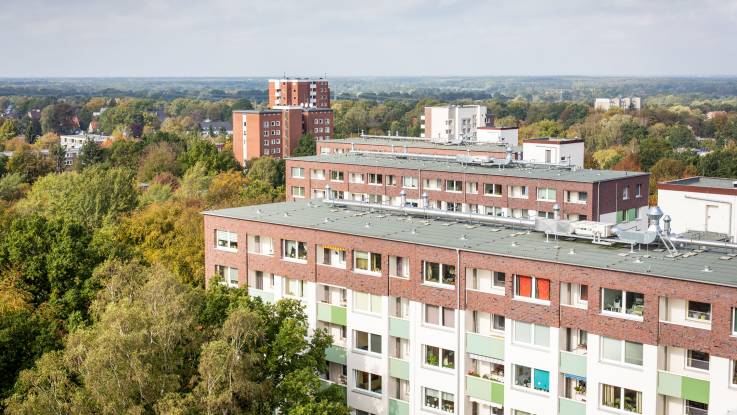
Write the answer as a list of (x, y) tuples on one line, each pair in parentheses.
[(532, 287), (295, 250), (486, 324), (298, 172), (697, 360), (318, 174), (734, 321), (574, 295), (472, 188), (435, 399), (626, 193), (409, 182), (439, 316), (332, 256), (368, 382), (699, 311), (228, 275), (532, 334), (374, 178), (434, 272), (576, 197), (453, 185), (367, 303), (294, 287), (734, 373), (633, 304), (638, 190), (337, 176), (519, 192), (391, 180), (260, 245), (527, 377), (485, 280), (696, 408), (398, 267), (431, 184), (367, 262), (298, 191), (355, 178), (491, 189), (494, 210), (368, 342), (226, 241), (399, 307), (435, 356), (453, 207), (621, 398), (546, 194), (621, 351)]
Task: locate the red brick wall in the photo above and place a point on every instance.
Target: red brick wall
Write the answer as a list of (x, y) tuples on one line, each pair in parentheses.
[(718, 341)]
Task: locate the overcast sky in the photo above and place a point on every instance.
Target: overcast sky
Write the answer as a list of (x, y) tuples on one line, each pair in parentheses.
[(376, 37)]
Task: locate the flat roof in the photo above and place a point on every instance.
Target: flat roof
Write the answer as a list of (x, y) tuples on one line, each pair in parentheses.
[(554, 140), (415, 162), (419, 142), (489, 239), (707, 182)]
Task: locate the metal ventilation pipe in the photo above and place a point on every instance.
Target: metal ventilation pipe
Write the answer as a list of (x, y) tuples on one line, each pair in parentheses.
[(556, 211), (425, 200), (496, 220), (666, 225), (328, 193), (698, 242), (402, 198)]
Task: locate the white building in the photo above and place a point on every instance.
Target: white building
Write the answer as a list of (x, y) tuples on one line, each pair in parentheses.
[(626, 103), (502, 135), (700, 204), (554, 150), (452, 122), (76, 141)]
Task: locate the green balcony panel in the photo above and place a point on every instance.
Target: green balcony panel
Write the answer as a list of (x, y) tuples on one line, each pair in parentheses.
[(571, 407), (332, 314), (399, 368), (336, 354), (485, 389), (267, 297), (669, 384), (573, 364), (695, 389), (399, 327), (397, 407), (683, 387), (485, 345)]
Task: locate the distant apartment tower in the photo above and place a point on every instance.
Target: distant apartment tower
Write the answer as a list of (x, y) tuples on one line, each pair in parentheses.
[(626, 103), (303, 92), (452, 122)]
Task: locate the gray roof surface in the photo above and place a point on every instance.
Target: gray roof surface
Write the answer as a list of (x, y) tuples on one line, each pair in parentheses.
[(489, 239), (713, 182), (416, 163), (423, 144)]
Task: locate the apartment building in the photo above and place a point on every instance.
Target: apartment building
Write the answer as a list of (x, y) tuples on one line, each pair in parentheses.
[(413, 145), (626, 103), (437, 315), (452, 122), (276, 132), (508, 189), (554, 150), (303, 92), (701, 204)]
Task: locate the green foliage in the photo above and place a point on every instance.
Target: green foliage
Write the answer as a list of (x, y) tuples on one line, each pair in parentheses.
[(158, 158), (91, 153), (59, 118), (206, 153), (308, 147), (131, 116), (268, 169), (720, 163), (156, 193), (12, 187), (29, 164), (651, 150), (9, 129)]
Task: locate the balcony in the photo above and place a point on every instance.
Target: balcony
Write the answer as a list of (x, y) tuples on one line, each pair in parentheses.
[(398, 407), (683, 387), (332, 314), (399, 368), (571, 407), (336, 354), (266, 296), (573, 363), (399, 327), (485, 389), (487, 346)]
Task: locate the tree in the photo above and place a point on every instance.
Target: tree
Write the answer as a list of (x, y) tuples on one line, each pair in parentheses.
[(306, 146), (268, 169), (651, 150), (9, 129), (29, 164), (544, 128), (206, 153), (159, 157), (58, 118), (12, 187), (243, 104), (90, 153), (58, 156)]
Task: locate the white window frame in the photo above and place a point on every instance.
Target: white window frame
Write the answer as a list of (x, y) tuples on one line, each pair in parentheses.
[(297, 258), (441, 270), (623, 306), (317, 174), (370, 261), (227, 275), (441, 317), (454, 186), (698, 319), (412, 182), (533, 335), (375, 179), (544, 193), (298, 191), (534, 294), (402, 273), (229, 238), (369, 338), (367, 391), (532, 379), (441, 397), (441, 353), (356, 178), (287, 290), (494, 188), (472, 188), (734, 321), (733, 374), (638, 190), (626, 193), (622, 360), (689, 359), (432, 184), (375, 304), (621, 399), (337, 176)]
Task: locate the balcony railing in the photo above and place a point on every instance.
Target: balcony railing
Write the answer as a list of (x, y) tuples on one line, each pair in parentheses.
[(698, 364), (690, 410)]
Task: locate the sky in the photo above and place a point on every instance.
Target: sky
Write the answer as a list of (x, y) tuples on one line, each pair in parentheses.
[(244, 38)]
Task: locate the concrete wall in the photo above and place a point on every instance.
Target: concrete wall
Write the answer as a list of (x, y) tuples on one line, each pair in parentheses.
[(693, 211)]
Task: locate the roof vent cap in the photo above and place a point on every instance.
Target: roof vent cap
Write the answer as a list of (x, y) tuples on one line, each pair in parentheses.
[(707, 268)]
